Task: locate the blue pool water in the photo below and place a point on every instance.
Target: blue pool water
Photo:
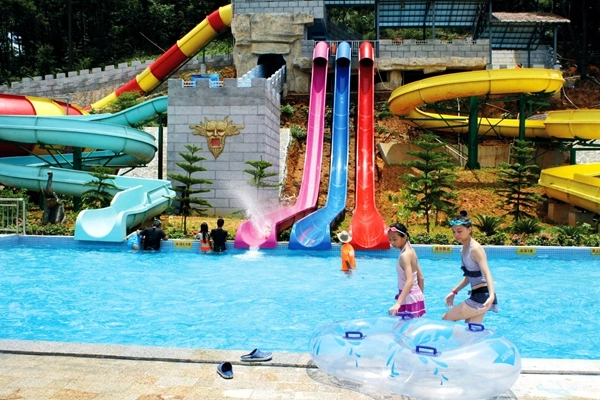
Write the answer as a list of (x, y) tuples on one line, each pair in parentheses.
[(273, 300)]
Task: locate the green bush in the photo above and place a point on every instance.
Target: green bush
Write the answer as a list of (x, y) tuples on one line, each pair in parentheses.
[(544, 239), (497, 239), (288, 110), (487, 224), (529, 226), (298, 132), (50, 229)]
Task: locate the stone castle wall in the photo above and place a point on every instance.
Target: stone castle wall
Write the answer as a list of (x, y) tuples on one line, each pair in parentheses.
[(103, 81)]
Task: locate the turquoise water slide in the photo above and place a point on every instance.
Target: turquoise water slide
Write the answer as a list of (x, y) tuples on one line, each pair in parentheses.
[(136, 198)]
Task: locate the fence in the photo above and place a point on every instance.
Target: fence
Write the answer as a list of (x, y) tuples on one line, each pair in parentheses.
[(12, 216)]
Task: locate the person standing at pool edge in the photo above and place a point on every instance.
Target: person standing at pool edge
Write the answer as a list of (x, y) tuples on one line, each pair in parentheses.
[(152, 236), (411, 282), (475, 272), (347, 251), (219, 237), (204, 237)]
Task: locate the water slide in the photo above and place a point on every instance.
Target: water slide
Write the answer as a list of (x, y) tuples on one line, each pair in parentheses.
[(175, 57), (135, 200), (262, 232), (575, 184), (313, 231), (367, 226)]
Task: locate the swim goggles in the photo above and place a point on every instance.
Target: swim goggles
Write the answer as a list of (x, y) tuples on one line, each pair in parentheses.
[(394, 229), (459, 222)]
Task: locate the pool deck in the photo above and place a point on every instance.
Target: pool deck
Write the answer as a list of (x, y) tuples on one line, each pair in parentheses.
[(53, 370)]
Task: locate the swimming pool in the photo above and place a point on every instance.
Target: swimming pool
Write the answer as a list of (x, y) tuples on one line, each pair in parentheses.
[(57, 290)]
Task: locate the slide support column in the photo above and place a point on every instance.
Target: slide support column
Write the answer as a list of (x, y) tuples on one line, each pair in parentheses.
[(472, 162), (522, 115), (160, 145)]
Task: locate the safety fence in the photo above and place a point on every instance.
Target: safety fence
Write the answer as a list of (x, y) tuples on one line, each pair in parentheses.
[(12, 216)]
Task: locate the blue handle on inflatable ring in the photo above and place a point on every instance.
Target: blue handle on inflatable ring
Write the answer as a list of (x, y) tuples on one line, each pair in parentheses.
[(475, 327), (407, 315), (423, 350), (350, 335)]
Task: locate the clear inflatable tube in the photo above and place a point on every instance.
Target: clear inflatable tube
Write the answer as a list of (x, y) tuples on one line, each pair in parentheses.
[(418, 357)]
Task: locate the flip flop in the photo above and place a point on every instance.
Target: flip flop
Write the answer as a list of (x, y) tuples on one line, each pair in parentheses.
[(257, 355), (225, 370)]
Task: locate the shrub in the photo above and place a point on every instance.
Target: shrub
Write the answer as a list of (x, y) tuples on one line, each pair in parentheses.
[(298, 132), (526, 226), (544, 239), (497, 239), (288, 110), (428, 238), (50, 229), (487, 224)]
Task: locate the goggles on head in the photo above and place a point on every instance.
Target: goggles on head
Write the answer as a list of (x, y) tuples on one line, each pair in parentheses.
[(455, 222), (394, 229)]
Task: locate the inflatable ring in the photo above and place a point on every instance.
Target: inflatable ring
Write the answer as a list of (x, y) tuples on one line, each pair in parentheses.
[(418, 357)]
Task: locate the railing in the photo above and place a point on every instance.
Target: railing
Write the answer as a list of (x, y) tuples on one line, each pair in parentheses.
[(12, 216), (256, 72), (276, 81)]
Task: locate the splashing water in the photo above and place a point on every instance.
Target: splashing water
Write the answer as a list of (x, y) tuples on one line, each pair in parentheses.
[(256, 208)]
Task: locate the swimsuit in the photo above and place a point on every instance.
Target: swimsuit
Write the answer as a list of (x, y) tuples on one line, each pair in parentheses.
[(415, 301), (473, 273)]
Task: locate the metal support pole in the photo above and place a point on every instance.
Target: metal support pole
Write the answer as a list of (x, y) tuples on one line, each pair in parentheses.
[(491, 31), (522, 115), (555, 48), (472, 162), (572, 156), (160, 146)]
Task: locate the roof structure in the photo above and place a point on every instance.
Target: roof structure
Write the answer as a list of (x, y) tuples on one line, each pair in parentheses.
[(518, 31), (509, 31)]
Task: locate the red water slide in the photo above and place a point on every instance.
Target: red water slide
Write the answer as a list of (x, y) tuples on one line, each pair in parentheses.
[(367, 226)]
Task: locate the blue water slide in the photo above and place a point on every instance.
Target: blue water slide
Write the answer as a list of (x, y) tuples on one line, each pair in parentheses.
[(135, 199), (313, 231)]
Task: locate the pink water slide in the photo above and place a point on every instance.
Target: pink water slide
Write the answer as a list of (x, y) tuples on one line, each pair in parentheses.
[(264, 234), (367, 226)]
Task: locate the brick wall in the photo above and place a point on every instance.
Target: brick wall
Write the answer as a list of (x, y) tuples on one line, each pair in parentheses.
[(255, 107), (109, 77), (316, 7)]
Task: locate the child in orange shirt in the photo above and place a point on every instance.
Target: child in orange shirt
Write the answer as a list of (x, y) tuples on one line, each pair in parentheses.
[(348, 260)]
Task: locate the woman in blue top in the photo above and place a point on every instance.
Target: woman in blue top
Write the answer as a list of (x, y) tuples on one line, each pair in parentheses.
[(476, 272)]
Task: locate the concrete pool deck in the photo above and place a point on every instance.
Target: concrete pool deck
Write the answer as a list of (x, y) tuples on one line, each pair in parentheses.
[(56, 370)]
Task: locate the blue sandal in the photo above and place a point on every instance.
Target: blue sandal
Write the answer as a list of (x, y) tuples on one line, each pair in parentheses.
[(257, 355), (225, 369)]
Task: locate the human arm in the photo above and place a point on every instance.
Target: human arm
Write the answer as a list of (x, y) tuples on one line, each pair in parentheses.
[(405, 263), (449, 299)]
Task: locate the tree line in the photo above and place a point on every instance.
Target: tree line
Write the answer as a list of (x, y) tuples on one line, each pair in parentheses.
[(39, 37)]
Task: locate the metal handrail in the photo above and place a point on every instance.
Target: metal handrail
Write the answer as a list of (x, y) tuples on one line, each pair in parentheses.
[(13, 216)]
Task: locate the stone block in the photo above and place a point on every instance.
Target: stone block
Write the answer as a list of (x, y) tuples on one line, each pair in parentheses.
[(559, 212)]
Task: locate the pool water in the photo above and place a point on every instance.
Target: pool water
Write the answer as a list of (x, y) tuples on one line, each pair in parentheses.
[(273, 300)]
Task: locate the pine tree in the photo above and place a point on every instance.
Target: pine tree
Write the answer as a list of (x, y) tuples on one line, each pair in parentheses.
[(259, 174), (188, 204), (99, 196), (518, 182), (431, 190)]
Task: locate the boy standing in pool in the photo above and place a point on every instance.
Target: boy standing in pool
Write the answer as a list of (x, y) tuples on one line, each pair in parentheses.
[(411, 283), (153, 236), (219, 237), (475, 272), (347, 251)]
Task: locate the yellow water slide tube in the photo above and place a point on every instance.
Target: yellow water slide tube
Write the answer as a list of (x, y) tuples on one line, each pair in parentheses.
[(405, 99), (578, 185)]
